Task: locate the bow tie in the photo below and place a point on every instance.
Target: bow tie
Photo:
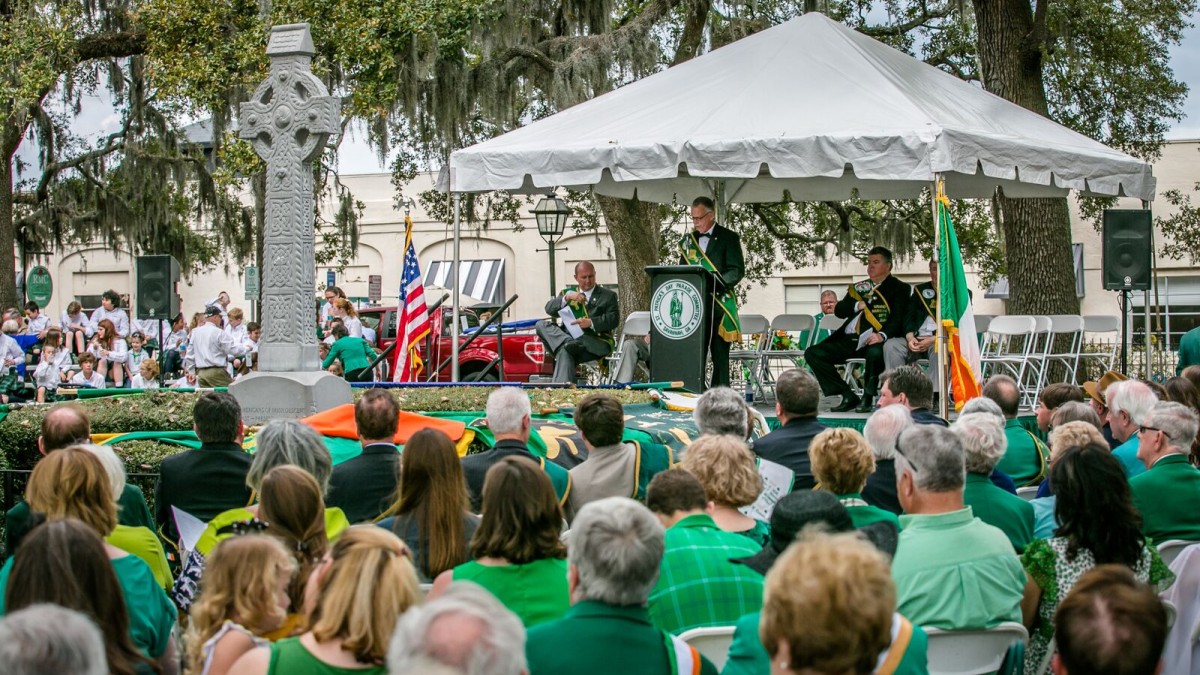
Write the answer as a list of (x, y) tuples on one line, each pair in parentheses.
[(698, 234)]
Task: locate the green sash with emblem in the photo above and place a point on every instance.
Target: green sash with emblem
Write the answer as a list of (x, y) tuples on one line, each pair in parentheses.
[(579, 310), (730, 329), (929, 298), (876, 309)]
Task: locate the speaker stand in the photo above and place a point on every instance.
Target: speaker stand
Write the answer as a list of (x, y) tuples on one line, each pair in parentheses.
[(1124, 332)]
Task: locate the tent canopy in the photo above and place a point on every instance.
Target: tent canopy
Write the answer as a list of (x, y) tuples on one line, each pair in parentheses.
[(811, 108)]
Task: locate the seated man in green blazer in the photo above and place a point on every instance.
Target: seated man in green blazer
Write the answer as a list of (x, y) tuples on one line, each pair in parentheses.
[(615, 550), (1166, 493)]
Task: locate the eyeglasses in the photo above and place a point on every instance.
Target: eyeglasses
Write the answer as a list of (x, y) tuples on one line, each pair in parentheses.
[(908, 462), (702, 217), (1144, 429)]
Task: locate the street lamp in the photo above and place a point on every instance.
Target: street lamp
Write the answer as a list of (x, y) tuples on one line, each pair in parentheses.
[(551, 214)]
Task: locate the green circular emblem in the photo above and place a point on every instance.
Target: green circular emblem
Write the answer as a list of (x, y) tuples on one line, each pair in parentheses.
[(675, 309), (38, 287)]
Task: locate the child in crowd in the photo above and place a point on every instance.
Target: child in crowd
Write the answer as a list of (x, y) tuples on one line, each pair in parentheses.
[(75, 325), (186, 381), (87, 375), (147, 377), (247, 361), (111, 352), (244, 597), (136, 353), (35, 323), (236, 328), (52, 368)]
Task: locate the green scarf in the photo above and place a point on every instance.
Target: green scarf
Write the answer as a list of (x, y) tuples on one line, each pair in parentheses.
[(730, 329)]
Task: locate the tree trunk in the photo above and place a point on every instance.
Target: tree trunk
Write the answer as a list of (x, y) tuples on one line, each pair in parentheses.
[(1037, 232), (634, 228), (8, 231)]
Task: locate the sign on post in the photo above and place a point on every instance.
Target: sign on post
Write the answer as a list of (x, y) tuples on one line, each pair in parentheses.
[(39, 287), (252, 283), (330, 279), (375, 288)]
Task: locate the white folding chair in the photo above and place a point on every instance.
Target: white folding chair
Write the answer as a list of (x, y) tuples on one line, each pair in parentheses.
[(1035, 367), (1101, 336), (1171, 548), (982, 321), (748, 355), (1008, 346), (972, 652), (794, 325), (1067, 328), (1027, 493), (636, 325), (712, 643)]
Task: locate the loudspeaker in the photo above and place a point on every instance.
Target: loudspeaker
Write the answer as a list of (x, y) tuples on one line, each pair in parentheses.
[(1127, 249), (157, 276)]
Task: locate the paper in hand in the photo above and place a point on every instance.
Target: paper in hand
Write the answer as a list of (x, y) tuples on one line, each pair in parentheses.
[(569, 321)]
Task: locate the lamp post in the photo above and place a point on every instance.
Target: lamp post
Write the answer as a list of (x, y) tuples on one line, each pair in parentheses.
[(551, 214)]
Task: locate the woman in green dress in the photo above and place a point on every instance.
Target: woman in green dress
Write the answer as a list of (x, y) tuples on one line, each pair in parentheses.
[(518, 554), (354, 353), (729, 474), (354, 597)]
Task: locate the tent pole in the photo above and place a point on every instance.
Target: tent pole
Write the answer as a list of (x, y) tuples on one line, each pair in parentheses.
[(454, 327), (940, 339)]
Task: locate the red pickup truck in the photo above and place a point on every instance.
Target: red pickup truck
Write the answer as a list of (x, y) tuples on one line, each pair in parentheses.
[(524, 354)]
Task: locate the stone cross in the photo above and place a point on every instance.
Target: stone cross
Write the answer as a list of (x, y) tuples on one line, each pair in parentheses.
[(288, 120)]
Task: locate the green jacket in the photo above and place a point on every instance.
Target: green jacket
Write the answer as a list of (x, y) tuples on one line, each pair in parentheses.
[(354, 353), (747, 656), (1189, 350), (1025, 459), (998, 508), (1166, 497), (596, 638)]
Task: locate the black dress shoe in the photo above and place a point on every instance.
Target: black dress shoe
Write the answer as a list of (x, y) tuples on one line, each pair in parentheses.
[(849, 401), (867, 405)]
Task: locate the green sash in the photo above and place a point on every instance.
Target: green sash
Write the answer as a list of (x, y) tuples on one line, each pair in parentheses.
[(730, 330), (579, 310), (930, 307), (648, 463), (872, 302)]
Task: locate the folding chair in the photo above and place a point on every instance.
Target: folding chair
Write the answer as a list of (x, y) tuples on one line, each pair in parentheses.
[(749, 354), (791, 324), (712, 642), (1170, 549), (1008, 346), (1027, 493), (1035, 367), (636, 325), (1064, 326), (972, 652), (1106, 328)]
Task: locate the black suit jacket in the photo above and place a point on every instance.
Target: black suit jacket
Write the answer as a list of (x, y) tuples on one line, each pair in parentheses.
[(788, 445), (604, 310), (917, 309), (364, 486), (203, 482), (897, 294), (880, 491), (927, 416), (475, 467), (725, 252)]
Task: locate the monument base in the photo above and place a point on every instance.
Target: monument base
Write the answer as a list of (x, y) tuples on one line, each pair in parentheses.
[(267, 396)]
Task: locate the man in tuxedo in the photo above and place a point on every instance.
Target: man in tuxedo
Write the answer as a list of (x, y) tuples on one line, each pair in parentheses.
[(874, 310), (597, 312), (720, 250)]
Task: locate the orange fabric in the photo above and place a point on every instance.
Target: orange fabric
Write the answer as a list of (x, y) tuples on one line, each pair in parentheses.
[(962, 380), (339, 423)]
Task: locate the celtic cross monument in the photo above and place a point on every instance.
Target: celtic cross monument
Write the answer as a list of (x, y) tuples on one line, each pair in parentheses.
[(288, 120)]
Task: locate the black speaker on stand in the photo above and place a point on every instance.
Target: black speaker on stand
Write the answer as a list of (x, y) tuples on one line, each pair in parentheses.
[(1128, 262), (157, 295)]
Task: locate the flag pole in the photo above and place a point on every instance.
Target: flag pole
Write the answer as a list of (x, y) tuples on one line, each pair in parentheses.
[(940, 345), (454, 309)]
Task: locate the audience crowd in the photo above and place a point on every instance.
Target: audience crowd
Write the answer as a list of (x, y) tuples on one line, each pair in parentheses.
[(813, 549)]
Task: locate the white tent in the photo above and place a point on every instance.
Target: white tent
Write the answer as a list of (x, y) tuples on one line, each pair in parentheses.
[(810, 107)]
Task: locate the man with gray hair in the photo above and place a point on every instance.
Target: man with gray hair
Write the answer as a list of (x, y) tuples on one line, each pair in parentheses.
[(1166, 493), (45, 638), (982, 438), (797, 395), (1129, 402), (510, 419), (883, 427), (722, 411), (612, 564), (466, 629), (1027, 456), (944, 546)]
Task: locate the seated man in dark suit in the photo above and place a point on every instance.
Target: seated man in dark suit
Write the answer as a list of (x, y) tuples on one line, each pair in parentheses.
[(913, 389), (797, 395), (211, 479), (596, 312), (510, 419), (874, 310), (363, 487)]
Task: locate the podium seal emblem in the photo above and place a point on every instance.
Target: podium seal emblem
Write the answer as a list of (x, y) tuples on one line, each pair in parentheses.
[(675, 309)]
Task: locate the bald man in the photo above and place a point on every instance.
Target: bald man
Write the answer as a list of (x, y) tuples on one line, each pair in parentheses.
[(596, 312)]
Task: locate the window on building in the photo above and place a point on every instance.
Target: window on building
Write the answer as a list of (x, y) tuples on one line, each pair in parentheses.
[(806, 299)]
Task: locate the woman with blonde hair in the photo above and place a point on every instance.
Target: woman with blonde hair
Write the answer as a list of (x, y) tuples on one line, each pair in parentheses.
[(729, 474), (243, 597), (354, 597), (841, 463), (1077, 434)]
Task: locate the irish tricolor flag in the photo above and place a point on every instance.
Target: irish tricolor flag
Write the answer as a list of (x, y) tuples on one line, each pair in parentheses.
[(954, 308)]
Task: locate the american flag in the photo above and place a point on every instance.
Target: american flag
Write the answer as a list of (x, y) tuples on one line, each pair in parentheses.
[(414, 315)]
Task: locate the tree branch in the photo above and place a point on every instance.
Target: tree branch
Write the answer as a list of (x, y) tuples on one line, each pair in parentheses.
[(769, 221), (110, 45), (898, 29)]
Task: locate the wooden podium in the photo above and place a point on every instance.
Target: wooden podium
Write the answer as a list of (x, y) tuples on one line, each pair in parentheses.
[(681, 309)]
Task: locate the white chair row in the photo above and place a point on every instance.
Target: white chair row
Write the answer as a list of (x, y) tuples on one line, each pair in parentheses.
[(1025, 347)]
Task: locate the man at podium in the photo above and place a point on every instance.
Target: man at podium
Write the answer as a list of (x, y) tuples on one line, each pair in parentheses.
[(875, 310), (719, 250)]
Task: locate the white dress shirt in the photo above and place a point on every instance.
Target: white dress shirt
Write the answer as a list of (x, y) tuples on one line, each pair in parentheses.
[(118, 316), (79, 319), (10, 350), (36, 326), (118, 354), (150, 328), (210, 347), (138, 382), (353, 325), (97, 380), (48, 373)]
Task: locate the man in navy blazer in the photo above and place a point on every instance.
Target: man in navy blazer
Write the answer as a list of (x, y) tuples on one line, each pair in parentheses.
[(797, 395)]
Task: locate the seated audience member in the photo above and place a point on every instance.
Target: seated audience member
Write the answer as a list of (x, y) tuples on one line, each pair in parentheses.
[(136, 355), (290, 504), (1129, 402), (943, 545), (1073, 411), (111, 352), (721, 411), (980, 404), (792, 514), (1166, 493), (983, 442), (612, 468), (882, 429), (431, 511), (147, 376), (1099, 526), (11, 354), (912, 388), (1096, 393), (828, 607), (64, 563), (730, 478), (841, 463), (797, 395), (465, 631), (72, 483), (613, 563), (1181, 390), (698, 585), (1075, 434), (1025, 457), (76, 326), (510, 419), (87, 375), (354, 597), (1051, 397), (1110, 623), (211, 479), (363, 486), (52, 366), (36, 323), (517, 554), (47, 638), (239, 602)]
